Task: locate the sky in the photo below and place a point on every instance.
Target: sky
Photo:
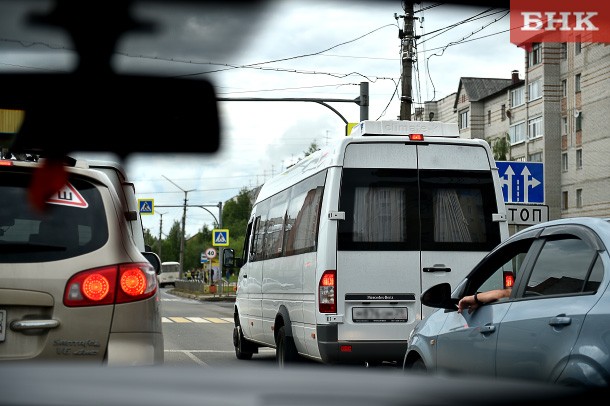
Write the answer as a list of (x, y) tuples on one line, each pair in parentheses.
[(285, 49)]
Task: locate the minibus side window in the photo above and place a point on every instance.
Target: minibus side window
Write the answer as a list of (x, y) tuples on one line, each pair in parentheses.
[(274, 228), (247, 247), (303, 216), (259, 231)]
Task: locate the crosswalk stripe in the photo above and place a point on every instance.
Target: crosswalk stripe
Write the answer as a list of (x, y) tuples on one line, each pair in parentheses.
[(216, 320), (192, 319), (180, 320), (198, 320)]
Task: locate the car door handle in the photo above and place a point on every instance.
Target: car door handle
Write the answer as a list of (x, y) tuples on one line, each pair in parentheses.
[(488, 329), (245, 276), (27, 325), (437, 269), (561, 320)]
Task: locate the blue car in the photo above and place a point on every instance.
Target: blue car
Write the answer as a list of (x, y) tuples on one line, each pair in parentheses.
[(554, 326)]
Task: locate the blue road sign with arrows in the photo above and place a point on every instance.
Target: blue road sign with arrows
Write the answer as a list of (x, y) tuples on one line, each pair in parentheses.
[(522, 182)]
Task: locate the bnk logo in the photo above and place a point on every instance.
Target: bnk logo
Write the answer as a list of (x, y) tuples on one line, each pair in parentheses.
[(559, 21), (533, 21)]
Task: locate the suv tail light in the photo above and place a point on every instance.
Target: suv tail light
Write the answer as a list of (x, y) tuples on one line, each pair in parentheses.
[(327, 292), (111, 285)]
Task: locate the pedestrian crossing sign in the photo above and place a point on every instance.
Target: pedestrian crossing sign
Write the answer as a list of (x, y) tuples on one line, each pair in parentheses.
[(220, 238), (147, 206)]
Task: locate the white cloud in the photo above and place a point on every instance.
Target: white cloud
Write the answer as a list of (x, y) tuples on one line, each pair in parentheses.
[(260, 138)]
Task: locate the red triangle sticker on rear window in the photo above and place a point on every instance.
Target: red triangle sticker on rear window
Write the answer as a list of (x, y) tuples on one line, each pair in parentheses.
[(68, 196)]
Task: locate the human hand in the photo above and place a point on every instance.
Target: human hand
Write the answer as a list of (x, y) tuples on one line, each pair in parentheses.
[(467, 302)]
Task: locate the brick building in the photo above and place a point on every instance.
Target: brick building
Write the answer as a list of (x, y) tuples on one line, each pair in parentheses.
[(555, 114)]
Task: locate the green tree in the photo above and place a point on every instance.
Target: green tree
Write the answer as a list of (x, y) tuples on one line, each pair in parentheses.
[(171, 245), (151, 241), (501, 148), (313, 147), (195, 246), (235, 215)]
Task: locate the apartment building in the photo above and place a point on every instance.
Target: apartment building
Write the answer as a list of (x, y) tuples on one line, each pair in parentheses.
[(556, 113)]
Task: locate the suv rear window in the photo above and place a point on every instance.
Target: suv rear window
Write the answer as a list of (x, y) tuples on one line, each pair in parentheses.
[(63, 231)]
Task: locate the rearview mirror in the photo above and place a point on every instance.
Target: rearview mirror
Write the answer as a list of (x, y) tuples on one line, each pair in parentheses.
[(228, 257), (229, 260), (113, 110), (439, 296)]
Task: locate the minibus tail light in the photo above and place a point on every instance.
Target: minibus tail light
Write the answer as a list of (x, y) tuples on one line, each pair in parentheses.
[(416, 137), (327, 292)]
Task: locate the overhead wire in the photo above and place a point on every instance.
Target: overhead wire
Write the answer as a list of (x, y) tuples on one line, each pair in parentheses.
[(443, 48)]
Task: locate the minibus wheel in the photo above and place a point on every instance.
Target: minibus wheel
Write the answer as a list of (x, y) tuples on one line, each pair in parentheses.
[(285, 352), (238, 342)]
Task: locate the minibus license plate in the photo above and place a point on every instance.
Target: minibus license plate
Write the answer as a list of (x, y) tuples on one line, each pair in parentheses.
[(379, 314)]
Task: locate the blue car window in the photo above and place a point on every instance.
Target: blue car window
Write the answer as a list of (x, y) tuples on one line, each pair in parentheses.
[(562, 267), (492, 273), (596, 276)]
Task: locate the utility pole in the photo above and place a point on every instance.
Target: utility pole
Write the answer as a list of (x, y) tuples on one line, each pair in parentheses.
[(160, 234), (182, 236), (221, 249), (406, 36)]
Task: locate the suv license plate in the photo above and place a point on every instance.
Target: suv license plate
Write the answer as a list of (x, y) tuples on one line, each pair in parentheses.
[(2, 325), (379, 314)]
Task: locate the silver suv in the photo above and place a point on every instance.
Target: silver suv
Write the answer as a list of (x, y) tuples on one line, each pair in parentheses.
[(75, 281)]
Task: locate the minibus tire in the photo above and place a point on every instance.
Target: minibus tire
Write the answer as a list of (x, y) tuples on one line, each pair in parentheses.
[(238, 342), (286, 352)]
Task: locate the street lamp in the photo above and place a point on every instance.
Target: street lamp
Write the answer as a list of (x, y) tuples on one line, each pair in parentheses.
[(160, 233), (182, 237), (203, 206)]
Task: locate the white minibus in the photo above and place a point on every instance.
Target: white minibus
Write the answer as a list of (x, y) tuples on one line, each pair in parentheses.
[(170, 273), (340, 246)]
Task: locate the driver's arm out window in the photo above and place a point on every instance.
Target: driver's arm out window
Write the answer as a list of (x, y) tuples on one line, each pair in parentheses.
[(504, 266)]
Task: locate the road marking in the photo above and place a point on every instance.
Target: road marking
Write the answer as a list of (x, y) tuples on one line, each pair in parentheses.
[(217, 320), (194, 358), (179, 319), (192, 319), (198, 320), (260, 350)]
